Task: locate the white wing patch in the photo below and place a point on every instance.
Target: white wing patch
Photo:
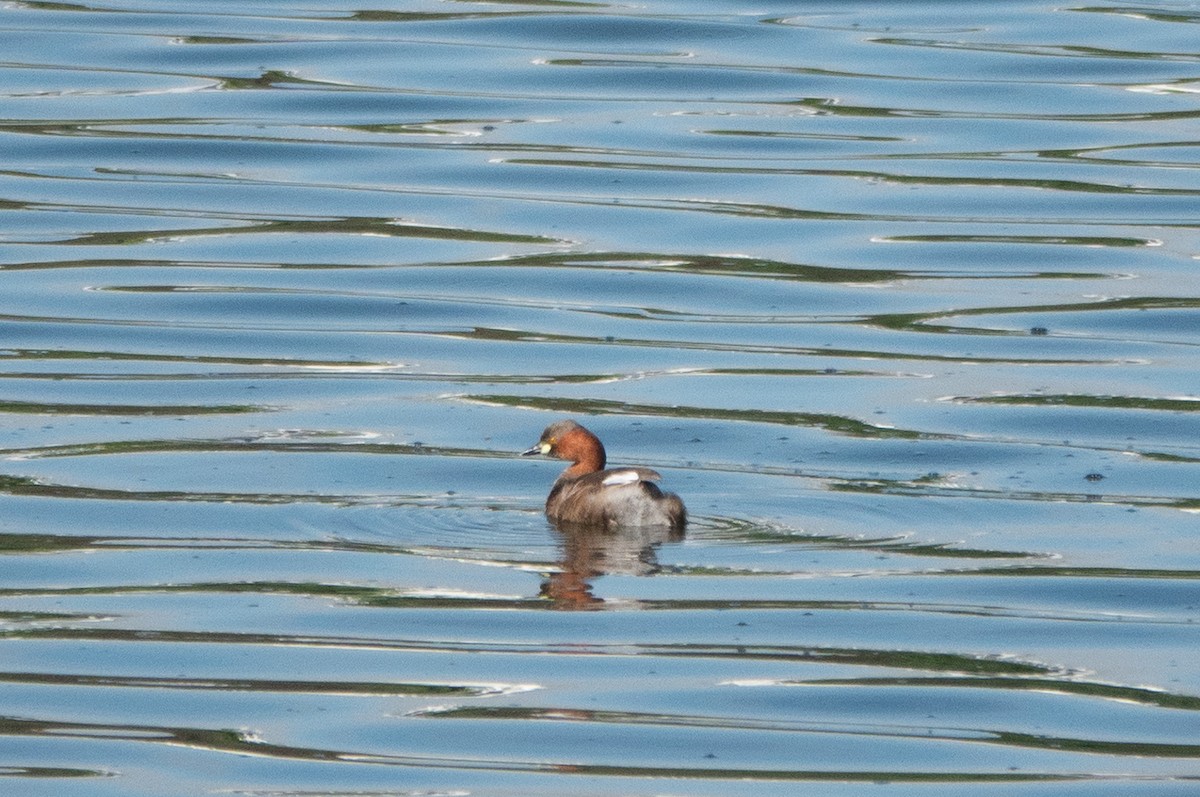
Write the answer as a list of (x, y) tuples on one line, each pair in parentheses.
[(618, 477)]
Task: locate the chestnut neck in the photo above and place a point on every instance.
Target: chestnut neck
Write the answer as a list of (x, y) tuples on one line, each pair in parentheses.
[(582, 448)]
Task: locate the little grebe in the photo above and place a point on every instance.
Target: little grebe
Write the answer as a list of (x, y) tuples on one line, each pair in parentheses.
[(587, 495)]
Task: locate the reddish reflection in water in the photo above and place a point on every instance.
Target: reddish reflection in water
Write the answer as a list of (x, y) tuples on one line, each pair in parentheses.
[(588, 553)]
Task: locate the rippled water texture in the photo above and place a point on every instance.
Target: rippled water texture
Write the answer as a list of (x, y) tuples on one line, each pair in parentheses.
[(901, 298)]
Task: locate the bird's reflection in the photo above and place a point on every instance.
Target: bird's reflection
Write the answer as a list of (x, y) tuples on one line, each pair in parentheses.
[(588, 551)]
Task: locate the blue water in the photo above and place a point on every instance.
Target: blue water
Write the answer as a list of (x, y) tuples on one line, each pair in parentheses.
[(900, 298)]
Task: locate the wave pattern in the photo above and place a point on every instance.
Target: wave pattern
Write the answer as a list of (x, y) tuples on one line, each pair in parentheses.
[(898, 296)]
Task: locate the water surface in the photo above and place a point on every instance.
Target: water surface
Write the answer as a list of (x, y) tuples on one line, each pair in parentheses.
[(899, 297)]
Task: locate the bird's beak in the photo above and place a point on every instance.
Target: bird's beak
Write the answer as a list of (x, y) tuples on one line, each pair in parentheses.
[(541, 448)]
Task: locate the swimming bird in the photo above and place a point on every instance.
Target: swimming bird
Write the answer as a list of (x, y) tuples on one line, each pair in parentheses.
[(586, 494)]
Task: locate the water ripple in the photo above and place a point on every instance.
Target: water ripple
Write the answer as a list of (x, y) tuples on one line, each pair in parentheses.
[(898, 297)]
